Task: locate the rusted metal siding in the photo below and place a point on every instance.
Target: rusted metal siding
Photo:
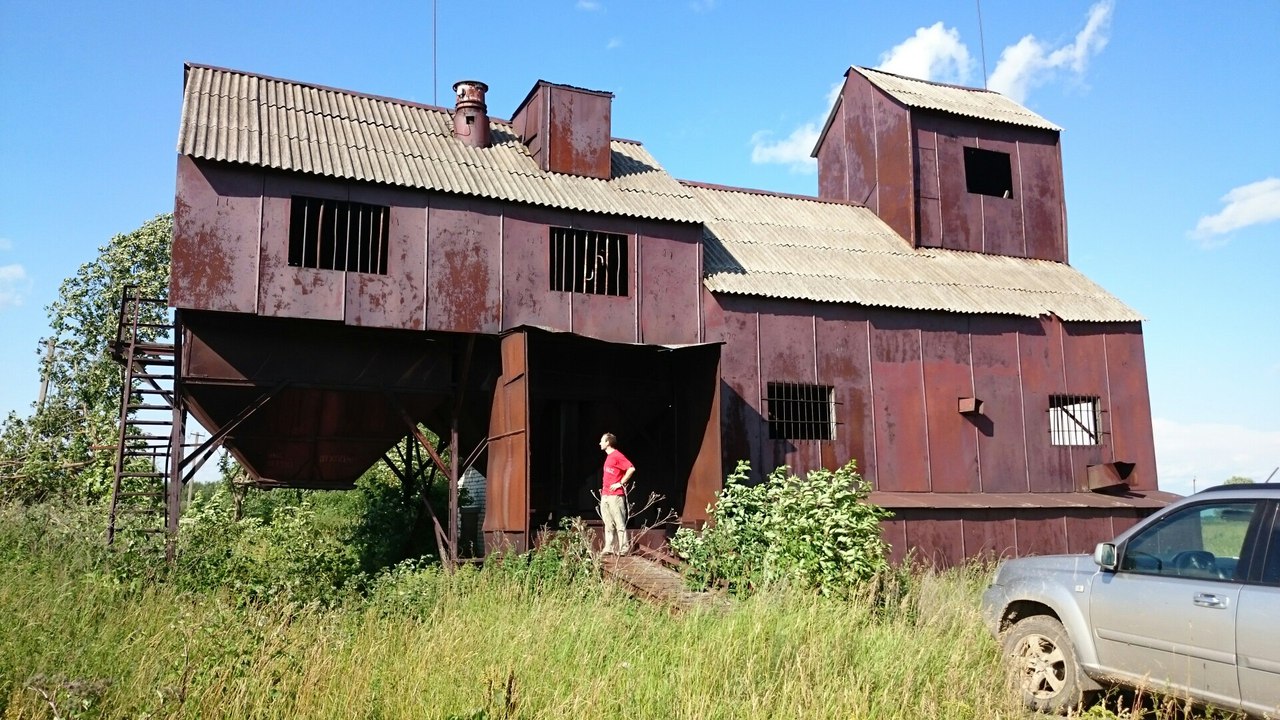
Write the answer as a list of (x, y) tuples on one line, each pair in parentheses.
[(902, 447), (1130, 403), (567, 129), (215, 238), (1084, 363), (1040, 365), (670, 274), (397, 299), (843, 363), (506, 520), (464, 269), (997, 383), (947, 376), (297, 292)]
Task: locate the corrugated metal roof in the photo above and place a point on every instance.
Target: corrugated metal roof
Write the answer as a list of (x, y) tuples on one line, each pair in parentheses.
[(802, 249), (970, 102), (238, 117)]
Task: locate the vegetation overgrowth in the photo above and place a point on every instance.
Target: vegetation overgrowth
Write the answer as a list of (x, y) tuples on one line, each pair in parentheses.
[(92, 632)]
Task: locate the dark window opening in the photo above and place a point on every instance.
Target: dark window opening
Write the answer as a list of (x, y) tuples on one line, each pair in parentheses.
[(1074, 420), (987, 172), (337, 235), (801, 412), (584, 261)]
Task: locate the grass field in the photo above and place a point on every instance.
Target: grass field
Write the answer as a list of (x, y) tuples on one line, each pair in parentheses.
[(80, 640)]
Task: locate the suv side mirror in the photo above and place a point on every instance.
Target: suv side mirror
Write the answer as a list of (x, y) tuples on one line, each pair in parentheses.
[(1105, 556)]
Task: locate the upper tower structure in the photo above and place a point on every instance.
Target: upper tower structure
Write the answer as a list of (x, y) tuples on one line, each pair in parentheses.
[(946, 166)]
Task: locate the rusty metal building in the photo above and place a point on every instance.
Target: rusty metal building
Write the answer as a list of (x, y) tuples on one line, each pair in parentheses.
[(346, 267)]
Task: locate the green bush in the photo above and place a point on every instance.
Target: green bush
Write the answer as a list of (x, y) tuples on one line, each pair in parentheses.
[(817, 532)]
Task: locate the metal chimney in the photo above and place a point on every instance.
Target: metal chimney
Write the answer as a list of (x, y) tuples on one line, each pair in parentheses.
[(471, 115)]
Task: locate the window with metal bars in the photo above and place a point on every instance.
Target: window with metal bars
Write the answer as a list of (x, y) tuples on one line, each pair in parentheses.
[(1074, 420), (584, 261), (801, 412), (338, 235)]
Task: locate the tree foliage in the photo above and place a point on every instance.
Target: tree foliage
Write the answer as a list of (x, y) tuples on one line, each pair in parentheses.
[(1238, 480), (815, 532), (63, 449)]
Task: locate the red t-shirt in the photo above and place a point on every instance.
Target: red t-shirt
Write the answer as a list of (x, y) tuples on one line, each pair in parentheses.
[(615, 466)]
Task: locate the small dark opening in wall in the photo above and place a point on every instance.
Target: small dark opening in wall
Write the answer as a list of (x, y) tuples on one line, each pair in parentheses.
[(988, 172), (801, 412), (337, 235), (584, 261)]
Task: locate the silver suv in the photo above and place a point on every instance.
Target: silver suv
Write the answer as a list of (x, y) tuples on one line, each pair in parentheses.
[(1186, 602)]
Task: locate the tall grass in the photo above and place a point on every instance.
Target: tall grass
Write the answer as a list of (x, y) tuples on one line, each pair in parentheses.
[(81, 638)]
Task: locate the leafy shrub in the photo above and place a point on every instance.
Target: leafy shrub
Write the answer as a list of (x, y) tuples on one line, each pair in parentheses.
[(817, 532)]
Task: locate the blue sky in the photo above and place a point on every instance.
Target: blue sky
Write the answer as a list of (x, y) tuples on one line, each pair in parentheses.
[(1169, 110)]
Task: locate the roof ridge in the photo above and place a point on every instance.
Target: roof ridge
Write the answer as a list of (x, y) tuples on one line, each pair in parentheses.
[(767, 193), (930, 82)]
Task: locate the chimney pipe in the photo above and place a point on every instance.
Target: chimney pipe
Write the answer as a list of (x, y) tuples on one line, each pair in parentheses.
[(471, 115)]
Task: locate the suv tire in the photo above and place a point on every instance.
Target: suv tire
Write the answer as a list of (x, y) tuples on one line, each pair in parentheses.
[(1043, 665)]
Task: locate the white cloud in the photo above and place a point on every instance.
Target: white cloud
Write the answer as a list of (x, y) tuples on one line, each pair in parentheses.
[(793, 150), (703, 6), (1029, 62), (1200, 455), (1252, 204), (933, 53), (588, 5), (614, 43), (14, 285)]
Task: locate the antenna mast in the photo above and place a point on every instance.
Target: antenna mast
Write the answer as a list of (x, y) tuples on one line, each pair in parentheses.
[(982, 42)]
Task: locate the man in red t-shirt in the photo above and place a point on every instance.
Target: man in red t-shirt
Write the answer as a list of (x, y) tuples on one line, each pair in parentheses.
[(613, 496)]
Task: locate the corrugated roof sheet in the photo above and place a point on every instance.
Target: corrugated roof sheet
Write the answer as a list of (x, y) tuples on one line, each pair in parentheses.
[(802, 249), (238, 117), (970, 102)]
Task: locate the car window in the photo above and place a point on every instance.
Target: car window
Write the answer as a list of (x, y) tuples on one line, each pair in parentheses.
[(1201, 541), (1271, 553)]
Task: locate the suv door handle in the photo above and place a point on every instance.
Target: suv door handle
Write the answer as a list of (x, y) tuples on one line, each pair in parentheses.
[(1210, 600)]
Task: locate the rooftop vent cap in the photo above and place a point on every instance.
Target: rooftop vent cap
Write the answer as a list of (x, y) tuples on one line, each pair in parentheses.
[(470, 114)]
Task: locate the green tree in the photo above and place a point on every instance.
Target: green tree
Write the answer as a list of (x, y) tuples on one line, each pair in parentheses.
[(1238, 480), (63, 450)]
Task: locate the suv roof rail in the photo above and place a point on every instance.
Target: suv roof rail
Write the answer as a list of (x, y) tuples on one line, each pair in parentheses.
[(1240, 487)]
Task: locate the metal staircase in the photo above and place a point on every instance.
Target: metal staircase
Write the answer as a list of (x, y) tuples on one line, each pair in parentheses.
[(146, 493)]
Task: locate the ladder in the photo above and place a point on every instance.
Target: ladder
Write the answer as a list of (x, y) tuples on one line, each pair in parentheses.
[(146, 492)]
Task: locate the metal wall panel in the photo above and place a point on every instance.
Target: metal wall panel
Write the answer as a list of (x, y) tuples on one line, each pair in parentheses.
[(843, 363), (1043, 203), (215, 237), (397, 299), (997, 380), (604, 317), (296, 292), (928, 189), (1048, 466), (1132, 436), (862, 183), (1041, 532), (897, 392), (833, 154), (1003, 231), (989, 534), (1087, 528), (894, 165), (527, 298), (506, 519), (580, 129), (732, 321), (786, 351), (1085, 367), (935, 537), (953, 441), (463, 266), (894, 532), (671, 286)]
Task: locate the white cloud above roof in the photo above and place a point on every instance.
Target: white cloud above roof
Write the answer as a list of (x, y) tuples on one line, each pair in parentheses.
[(933, 53), (14, 285), (1253, 204), (1030, 62), (1194, 456), (794, 150)]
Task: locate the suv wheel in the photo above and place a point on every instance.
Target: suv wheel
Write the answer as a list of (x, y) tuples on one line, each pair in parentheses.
[(1043, 665)]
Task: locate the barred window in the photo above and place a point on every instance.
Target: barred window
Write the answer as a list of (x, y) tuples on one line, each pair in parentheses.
[(1074, 420), (338, 235), (584, 261), (801, 412)]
